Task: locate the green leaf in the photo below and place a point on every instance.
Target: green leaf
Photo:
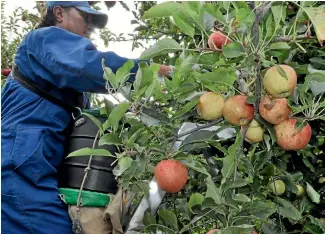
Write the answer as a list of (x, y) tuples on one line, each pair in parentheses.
[(317, 16), (281, 71), (110, 139), (270, 228), (229, 161), (280, 46), (218, 146), (163, 46), (317, 223), (277, 12), (124, 163), (109, 106), (164, 9), (308, 164), (144, 186), (318, 61), (220, 75), (287, 210), (191, 15), (155, 114), (208, 59), (214, 10), (169, 217), (90, 151), (110, 77), (245, 16), (188, 63), (313, 195), (158, 228), (315, 77), (195, 199), (123, 72), (213, 192), (251, 100), (238, 183), (233, 50), (260, 158), (300, 124), (262, 209), (240, 229), (189, 106), (289, 182), (117, 114), (317, 87), (148, 218), (95, 121), (183, 25), (196, 166), (241, 198)]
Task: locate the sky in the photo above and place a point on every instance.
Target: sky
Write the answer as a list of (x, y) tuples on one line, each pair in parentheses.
[(118, 22)]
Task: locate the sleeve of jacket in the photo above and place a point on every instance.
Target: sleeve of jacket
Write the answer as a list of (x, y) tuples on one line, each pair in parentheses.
[(71, 61)]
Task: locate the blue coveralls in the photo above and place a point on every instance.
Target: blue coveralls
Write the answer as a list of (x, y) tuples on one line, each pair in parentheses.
[(32, 135)]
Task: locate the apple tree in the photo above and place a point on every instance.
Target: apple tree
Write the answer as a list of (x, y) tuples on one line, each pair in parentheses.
[(255, 68)]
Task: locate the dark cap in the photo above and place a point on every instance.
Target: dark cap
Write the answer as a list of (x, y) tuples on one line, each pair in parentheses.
[(99, 19)]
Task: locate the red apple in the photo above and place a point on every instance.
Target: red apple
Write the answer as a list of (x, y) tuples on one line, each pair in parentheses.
[(212, 231), (210, 106), (217, 40), (276, 84), (6, 72), (274, 111), (291, 138), (171, 175), (237, 112)]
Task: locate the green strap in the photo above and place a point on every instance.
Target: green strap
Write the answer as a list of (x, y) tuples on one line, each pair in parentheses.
[(88, 198)]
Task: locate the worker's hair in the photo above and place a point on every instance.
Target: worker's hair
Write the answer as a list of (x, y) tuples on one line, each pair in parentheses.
[(48, 19)]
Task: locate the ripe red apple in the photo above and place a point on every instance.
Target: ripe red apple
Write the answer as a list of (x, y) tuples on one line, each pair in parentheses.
[(254, 132), (210, 106), (274, 111), (237, 112), (217, 40), (277, 85), (171, 175), (5, 72), (212, 231), (291, 138)]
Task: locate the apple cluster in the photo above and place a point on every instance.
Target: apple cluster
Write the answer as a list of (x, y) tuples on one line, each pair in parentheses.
[(171, 175), (273, 107)]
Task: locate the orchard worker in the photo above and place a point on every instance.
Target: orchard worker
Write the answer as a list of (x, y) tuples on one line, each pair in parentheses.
[(61, 59)]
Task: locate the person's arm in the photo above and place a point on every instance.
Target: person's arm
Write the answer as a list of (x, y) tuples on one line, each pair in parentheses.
[(71, 61)]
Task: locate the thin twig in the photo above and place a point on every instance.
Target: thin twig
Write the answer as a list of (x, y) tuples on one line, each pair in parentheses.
[(258, 84), (292, 39)]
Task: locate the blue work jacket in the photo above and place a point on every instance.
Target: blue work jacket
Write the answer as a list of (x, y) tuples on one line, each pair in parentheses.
[(32, 134)]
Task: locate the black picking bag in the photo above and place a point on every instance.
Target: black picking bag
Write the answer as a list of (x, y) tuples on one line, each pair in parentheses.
[(81, 133)]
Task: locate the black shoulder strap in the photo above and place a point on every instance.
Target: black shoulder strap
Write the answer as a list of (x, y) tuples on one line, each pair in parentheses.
[(32, 86)]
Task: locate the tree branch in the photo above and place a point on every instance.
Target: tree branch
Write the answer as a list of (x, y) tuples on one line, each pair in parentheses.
[(292, 39), (258, 84)]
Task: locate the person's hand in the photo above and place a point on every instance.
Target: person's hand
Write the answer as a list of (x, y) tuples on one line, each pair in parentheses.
[(166, 70), (169, 70)]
